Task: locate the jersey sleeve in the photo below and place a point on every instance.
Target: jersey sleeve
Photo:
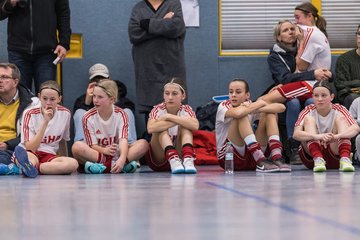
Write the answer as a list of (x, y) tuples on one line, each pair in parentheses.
[(66, 135), (188, 112), (220, 114), (124, 125), (27, 127), (89, 131), (311, 48)]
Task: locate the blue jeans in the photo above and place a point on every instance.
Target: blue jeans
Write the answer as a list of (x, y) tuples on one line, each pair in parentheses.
[(5, 156), (293, 108), (37, 66), (79, 131)]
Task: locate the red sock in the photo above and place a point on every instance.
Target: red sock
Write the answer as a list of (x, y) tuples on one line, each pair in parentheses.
[(170, 153), (314, 148), (255, 150), (344, 147), (187, 151), (275, 149)]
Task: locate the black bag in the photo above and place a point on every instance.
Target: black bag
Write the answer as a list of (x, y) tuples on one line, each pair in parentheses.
[(206, 115)]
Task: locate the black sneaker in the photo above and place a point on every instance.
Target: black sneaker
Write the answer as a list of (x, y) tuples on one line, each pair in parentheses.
[(295, 157), (267, 166), (280, 162)]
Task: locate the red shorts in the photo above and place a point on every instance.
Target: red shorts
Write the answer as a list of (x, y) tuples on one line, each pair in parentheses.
[(155, 166), (43, 157), (332, 161), (298, 90), (241, 163)]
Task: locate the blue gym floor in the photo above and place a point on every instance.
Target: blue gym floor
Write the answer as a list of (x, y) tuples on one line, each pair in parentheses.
[(209, 205)]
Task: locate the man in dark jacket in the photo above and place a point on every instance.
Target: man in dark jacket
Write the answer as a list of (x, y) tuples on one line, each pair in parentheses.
[(33, 44), (14, 99)]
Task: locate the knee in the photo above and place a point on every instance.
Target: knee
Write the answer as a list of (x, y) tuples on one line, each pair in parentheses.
[(309, 101), (293, 106), (77, 147)]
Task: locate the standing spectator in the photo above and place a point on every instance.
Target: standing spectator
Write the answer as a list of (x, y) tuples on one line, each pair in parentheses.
[(14, 98), (33, 44), (347, 80), (157, 32), (85, 102)]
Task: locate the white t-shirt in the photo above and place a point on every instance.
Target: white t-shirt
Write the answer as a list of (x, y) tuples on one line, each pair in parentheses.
[(57, 129), (317, 50), (160, 110), (355, 109), (325, 124), (98, 131), (222, 126)]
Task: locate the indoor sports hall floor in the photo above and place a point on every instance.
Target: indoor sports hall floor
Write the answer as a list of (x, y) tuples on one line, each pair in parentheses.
[(209, 205)]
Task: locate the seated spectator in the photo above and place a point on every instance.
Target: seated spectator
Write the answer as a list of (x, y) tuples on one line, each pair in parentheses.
[(45, 129), (325, 130), (347, 80), (106, 148), (234, 120), (14, 99), (282, 64), (85, 102)]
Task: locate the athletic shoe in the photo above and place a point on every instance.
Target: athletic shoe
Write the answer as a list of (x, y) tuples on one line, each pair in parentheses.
[(176, 166), (4, 169), (280, 162), (189, 165), (130, 167), (319, 165), (24, 164), (267, 166), (346, 165), (94, 168), (13, 169)]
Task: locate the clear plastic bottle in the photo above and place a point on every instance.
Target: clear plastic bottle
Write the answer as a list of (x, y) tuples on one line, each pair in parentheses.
[(229, 159)]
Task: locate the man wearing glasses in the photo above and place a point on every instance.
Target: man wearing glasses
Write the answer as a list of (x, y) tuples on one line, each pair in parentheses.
[(347, 81), (14, 99)]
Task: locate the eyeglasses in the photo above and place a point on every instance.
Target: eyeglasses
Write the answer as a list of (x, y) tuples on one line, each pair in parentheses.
[(357, 34), (5, 78)]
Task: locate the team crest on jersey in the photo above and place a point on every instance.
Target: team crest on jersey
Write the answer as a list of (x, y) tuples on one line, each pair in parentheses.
[(98, 131)]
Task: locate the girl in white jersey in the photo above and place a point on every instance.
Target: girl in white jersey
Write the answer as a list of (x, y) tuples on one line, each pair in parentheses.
[(171, 124), (313, 53), (324, 130), (106, 135), (234, 120), (45, 130)]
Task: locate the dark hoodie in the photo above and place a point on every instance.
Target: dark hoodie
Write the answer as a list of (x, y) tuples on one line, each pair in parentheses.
[(282, 64)]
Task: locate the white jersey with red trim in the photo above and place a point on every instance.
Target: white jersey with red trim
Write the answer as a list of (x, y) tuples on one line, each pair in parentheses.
[(325, 124), (160, 110), (316, 51), (57, 129), (98, 131), (222, 125)]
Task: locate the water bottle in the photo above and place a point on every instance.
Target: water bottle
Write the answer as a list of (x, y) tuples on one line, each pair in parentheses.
[(113, 162), (229, 159)]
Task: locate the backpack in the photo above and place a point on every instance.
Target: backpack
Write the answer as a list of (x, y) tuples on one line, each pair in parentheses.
[(206, 115)]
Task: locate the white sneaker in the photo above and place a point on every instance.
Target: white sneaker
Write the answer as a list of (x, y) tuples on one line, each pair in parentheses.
[(189, 165), (176, 166)]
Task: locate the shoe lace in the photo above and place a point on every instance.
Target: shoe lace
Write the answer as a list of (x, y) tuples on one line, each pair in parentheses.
[(319, 161), (346, 160)]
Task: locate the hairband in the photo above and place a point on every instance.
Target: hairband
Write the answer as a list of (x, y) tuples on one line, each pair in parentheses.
[(52, 88), (176, 84)]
